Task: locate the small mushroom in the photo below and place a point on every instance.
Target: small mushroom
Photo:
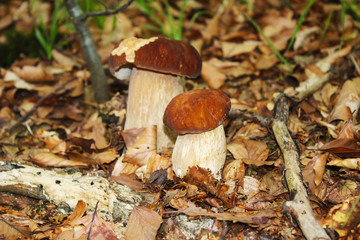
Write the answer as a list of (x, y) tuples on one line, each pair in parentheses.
[(154, 66), (197, 117)]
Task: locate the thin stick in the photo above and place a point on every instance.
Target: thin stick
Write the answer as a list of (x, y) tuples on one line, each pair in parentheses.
[(299, 205), (107, 11)]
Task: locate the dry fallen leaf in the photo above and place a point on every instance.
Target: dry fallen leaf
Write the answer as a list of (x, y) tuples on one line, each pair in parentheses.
[(351, 163), (345, 147), (337, 217), (33, 74), (52, 160), (142, 148), (348, 102), (203, 179), (251, 152), (231, 49), (78, 212), (143, 224), (212, 76), (95, 228), (314, 172)]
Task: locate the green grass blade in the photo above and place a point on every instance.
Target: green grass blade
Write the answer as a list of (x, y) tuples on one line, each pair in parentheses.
[(342, 17), (181, 21), (278, 54), (351, 211), (45, 44), (195, 16), (299, 23), (54, 23), (327, 23), (157, 29), (170, 19)]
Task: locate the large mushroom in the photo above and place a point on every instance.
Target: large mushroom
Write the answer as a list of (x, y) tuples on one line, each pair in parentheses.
[(154, 66), (197, 117)]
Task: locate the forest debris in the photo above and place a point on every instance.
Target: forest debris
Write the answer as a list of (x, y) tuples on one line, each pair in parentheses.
[(351, 163), (250, 151), (348, 102), (95, 227), (68, 188), (342, 220), (212, 76), (231, 49), (299, 204), (33, 74), (53, 160), (235, 170), (251, 217), (143, 224), (251, 186), (314, 171)]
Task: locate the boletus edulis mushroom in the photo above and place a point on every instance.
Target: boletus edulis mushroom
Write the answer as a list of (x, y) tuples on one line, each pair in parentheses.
[(197, 117), (154, 65)]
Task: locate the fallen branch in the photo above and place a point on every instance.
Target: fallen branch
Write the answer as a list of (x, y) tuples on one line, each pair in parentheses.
[(299, 205)]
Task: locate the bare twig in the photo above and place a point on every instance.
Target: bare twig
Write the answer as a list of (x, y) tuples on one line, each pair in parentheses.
[(107, 11)]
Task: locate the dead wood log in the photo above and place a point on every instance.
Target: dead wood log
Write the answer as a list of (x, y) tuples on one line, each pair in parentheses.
[(65, 188)]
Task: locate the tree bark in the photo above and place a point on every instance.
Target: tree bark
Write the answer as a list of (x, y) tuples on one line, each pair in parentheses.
[(92, 58)]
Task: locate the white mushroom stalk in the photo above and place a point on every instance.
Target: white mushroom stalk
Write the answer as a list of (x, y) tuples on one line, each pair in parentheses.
[(149, 94), (206, 150)]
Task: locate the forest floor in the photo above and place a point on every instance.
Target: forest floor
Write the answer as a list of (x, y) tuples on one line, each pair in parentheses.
[(68, 170)]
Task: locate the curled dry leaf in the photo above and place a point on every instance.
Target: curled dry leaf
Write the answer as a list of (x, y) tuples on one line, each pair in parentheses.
[(106, 156), (251, 186), (33, 74), (78, 212), (143, 224), (348, 102), (131, 181), (251, 130), (235, 170), (203, 179), (66, 62), (314, 171), (52, 160), (231, 49), (351, 163), (345, 147)]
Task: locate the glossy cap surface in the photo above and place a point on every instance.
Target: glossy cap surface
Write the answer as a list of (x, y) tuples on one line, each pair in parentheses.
[(197, 111), (157, 54)]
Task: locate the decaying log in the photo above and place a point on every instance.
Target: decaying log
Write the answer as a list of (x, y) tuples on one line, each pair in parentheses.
[(65, 188)]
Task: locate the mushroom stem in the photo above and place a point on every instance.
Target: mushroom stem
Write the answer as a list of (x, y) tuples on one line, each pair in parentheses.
[(149, 94), (206, 150)]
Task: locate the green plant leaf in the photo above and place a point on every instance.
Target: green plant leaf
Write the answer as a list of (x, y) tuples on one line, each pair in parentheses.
[(278, 54)]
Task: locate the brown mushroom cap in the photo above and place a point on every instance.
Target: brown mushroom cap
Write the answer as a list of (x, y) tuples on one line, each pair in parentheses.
[(197, 111), (157, 54)]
